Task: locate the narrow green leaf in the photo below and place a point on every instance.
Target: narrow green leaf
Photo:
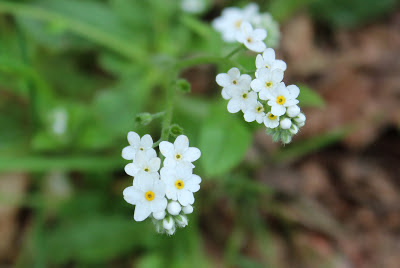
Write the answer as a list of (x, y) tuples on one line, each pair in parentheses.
[(309, 98)]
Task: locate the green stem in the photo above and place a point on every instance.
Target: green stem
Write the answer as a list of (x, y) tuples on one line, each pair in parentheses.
[(233, 52)]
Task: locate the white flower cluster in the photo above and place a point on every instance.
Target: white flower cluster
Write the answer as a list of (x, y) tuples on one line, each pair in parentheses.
[(265, 99), (236, 24), (165, 196)]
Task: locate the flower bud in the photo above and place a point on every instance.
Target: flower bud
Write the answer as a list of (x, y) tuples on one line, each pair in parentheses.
[(174, 208), (159, 215), (301, 118), (294, 129), (293, 111), (286, 123), (188, 209), (181, 221), (144, 118), (176, 130), (171, 231), (286, 138), (168, 223)]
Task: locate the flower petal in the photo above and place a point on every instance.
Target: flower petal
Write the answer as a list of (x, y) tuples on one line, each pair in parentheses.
[(131, 169), (133, 138), (257, 84), (191, 154), (278, 110), (146, 141), (132, 195), (234, 106), (234, 73), (181, 143), (185, 197), (259, 61), (167, 149), (142, 211), (293, 90), (223, 80), (154, 164), (158, 204), (277, 75), (128, 153), (260, 34), (269, 55)]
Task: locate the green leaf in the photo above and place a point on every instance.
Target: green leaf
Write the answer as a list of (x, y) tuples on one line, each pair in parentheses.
[(345, 13), (97, 239), (309, 98), (224, 140)]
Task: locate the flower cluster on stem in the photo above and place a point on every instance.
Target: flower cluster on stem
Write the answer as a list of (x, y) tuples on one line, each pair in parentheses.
[(166, 195)]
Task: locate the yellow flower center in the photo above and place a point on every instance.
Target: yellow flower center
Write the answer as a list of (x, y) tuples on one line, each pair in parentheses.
[(178, 156), (234, 82), (238, 23), (249, 40), (146, 169), (259, 109), (268, 84), (141, 149), (244, 96), (149, 195), (280, 100), (179, 184), (266, 66), (272, 117)]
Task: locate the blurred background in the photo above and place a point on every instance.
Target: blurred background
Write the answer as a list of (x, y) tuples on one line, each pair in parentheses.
[(74, 75)]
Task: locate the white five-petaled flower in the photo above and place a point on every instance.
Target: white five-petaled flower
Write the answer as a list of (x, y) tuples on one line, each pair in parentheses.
[(254, 112), (232, 80), (148, 194), (228, 24), (179, 152), (145, 162), (282, 97), (271, 121), (137, 144), (266, 81), (241, 100), (267, 60), (252, 39), (180, 183)]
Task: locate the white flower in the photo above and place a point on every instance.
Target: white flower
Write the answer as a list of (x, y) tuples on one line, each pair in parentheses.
[(180, 183), (252, 39), (266, 81), (286, 123), (137, 144), (282, 97), (187, 209), (174, 208), (241, 99), (293, 111), (148, 194), (146, 162), (60, 118), (232, 81), (271, 121), (179, 152), (193, 6), (228, 24), (267, 60), (300, 120), (254, 112)]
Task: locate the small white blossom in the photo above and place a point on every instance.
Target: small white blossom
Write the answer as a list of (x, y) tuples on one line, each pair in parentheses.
[(254, 112), (241, 99), (148, 194), (174, 208), (252, 39), (282, 97), (180, 183), (146, 162), (231, 19), (266, 81), (285, 123), (179, 152), (60, 120), (171, 231), (300, 120), (187, 209), (193, 6), (137, 144), (232, 81), (294, 129), (267, 60), (265, 21), (271, 121)]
